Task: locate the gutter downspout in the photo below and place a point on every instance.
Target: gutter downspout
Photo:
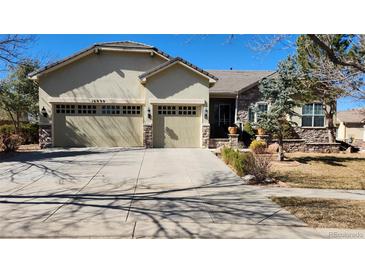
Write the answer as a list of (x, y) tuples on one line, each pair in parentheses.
[(236, 113)]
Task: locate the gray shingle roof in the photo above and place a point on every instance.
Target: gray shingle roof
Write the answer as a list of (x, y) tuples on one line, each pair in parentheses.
[(174, 60), (233, 81), (352, 116)]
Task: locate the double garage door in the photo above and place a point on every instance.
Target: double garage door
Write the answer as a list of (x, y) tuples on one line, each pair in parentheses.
[(82, 125), (96, 125), (176, 126)]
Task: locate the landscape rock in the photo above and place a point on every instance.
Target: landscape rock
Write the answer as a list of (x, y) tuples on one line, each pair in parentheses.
[(273, 148), (249, 179), (269, 181)]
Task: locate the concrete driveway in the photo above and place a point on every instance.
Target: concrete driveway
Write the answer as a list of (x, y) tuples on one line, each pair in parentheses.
[(134, 193)]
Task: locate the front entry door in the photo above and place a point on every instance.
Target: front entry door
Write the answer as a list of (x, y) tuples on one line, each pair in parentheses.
[(221, 116), (224, 117)]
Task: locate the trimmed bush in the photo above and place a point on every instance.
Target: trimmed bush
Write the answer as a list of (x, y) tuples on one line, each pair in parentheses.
[(258, 146), (10, 142), (235, 159)]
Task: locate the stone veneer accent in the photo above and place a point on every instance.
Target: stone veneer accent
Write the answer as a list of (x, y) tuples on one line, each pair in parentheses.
[(218, 142), (312, 135), (294, 145), (244, 100), (205, 136), (233, 140), (45, 136), (300, 145), (323, 147), (147, 136)]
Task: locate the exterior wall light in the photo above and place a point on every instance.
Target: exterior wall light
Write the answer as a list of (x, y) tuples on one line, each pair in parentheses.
[(149, 113), (44, 112), (206, 113)]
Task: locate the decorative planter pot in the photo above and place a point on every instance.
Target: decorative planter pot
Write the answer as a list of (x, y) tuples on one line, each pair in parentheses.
[(232, 130), (260, 131)]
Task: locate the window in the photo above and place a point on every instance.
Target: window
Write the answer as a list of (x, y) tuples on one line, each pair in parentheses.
[(253, 115), (120, 110), (65, 109), (312, 115), (86, 109), (176, 110)]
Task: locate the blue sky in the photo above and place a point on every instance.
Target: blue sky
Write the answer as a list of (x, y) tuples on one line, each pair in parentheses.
[(205, 51)]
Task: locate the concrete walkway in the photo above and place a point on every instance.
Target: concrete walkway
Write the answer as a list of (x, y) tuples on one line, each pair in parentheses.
[(310, 192)]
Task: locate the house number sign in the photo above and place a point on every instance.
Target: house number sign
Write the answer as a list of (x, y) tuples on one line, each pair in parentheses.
[(98, 101)]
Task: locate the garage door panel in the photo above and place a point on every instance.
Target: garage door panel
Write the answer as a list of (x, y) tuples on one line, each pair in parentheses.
[(101, 130), (171, 129)]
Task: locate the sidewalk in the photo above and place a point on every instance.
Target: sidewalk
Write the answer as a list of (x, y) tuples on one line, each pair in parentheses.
[(310, 192)]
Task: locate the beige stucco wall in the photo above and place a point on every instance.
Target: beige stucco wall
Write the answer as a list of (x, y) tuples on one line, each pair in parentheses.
[(346, 131), (178, 82), (103, 76)]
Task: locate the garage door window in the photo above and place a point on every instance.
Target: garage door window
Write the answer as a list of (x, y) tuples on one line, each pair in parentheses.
[(86, 109), (177, 110), (65, 109), (118, 110)]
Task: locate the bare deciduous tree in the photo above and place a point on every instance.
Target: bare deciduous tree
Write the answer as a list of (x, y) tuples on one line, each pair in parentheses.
[(12, 47)]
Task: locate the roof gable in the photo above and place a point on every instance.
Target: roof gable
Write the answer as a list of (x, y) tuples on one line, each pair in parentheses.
[(234, 81), (96, 48), (177, 60)]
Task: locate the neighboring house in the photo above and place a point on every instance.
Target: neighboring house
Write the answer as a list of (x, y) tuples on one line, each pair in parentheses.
[(131, 94), (351, 126)]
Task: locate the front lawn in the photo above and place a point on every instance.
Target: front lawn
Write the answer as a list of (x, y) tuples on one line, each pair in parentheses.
[(325, 213), (316, 170)]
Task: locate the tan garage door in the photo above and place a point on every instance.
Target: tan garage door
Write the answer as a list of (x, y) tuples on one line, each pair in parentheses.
[(176, 126), (80, 125)]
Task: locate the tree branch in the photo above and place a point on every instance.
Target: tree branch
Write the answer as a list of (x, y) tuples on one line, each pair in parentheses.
[(332, 55)]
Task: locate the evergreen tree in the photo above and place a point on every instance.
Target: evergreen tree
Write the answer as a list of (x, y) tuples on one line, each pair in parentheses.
[(18, 93), (281, 91)]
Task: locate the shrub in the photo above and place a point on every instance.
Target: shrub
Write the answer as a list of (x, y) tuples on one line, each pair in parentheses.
[(258, 166), (248, 134), (247, 127), (10, 142), (30, 133), (235, 159), (258, 146), (7, 129)]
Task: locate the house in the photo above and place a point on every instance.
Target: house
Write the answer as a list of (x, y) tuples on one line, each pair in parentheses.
[(351, 126), (130, 94)]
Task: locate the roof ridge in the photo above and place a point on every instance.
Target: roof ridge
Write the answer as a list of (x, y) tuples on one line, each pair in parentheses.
[(228, 70), (124, 41)]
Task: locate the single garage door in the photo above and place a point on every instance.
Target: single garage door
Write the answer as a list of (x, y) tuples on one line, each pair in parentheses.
[(176, 126), (82, 125)]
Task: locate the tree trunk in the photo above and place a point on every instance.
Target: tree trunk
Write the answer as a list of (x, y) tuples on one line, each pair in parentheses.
[(331, 129), (281, 149), (12, 118), (17, 128)]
